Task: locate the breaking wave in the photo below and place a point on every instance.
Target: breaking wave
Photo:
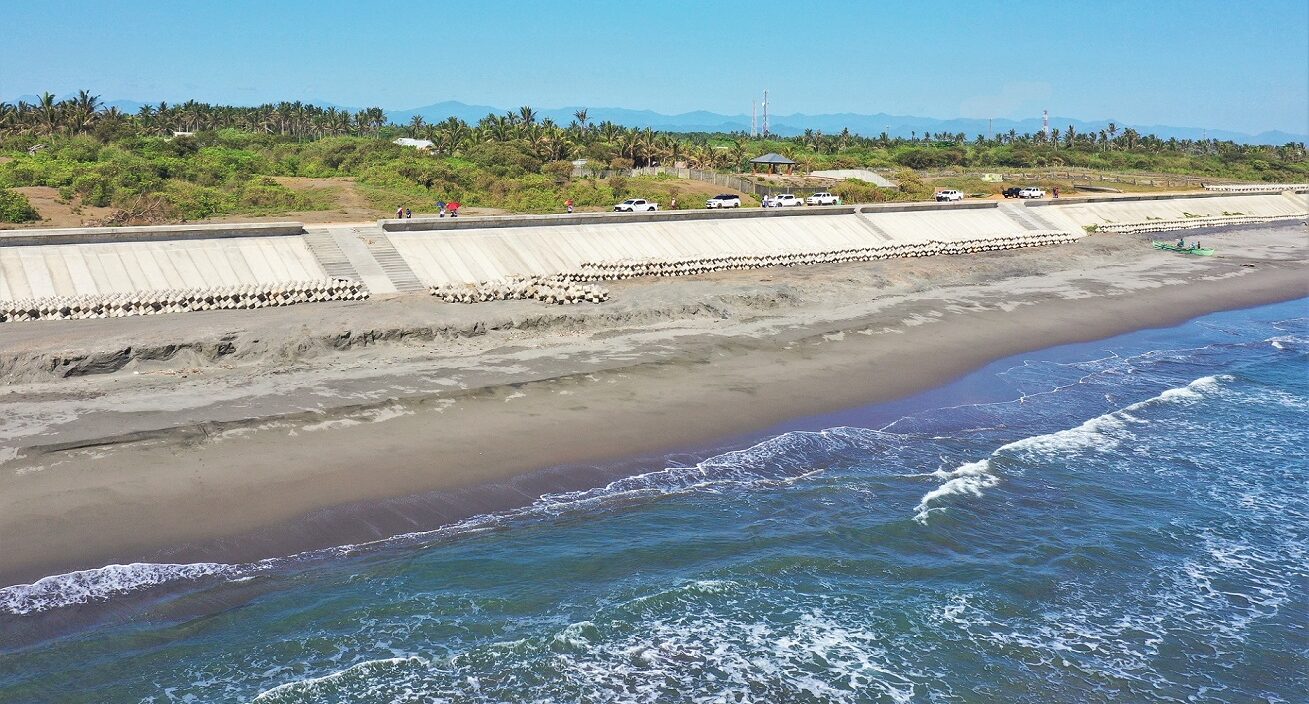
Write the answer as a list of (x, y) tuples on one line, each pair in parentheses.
[(1101, 433), (87, 586)]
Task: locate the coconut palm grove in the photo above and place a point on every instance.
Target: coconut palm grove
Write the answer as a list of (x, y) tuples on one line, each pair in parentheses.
[(194, 160)]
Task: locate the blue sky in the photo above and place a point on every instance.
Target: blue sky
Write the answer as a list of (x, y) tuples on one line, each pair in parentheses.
[(1238, 65)]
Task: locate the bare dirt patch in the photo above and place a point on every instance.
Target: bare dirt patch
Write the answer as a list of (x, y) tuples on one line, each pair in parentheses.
[(55, 212)]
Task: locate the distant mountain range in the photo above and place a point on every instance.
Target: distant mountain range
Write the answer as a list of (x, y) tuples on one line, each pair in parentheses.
[(829, 123), (797, 123)]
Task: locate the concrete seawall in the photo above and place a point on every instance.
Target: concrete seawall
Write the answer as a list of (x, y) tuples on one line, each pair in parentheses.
[(409, 255), (153, 233), (1197, 208), (67, 270)]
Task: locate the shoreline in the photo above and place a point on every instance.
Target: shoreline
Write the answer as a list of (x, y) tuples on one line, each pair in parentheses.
[(275, 488)]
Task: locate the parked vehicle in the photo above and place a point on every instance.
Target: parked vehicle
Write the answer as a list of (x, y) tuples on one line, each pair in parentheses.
[(823, 198), (1031, 192), (786, 200), (1011, 192), (949, 195), (723, 200), (636, 205)]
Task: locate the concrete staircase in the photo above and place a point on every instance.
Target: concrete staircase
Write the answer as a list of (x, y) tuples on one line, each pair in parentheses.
[(328, 253), (1025, 216), (878, 232), (393, 264)]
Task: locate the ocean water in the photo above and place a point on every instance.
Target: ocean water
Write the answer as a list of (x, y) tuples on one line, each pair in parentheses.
[(1122, 521)]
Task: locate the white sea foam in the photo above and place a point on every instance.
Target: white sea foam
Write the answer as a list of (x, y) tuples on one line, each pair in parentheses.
[(813, 656), (340, 681), (1286, 342), (970, 478), (102, 583), (1101, 433)]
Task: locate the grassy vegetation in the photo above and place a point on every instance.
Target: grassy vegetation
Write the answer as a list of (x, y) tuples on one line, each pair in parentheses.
[(229, 165)]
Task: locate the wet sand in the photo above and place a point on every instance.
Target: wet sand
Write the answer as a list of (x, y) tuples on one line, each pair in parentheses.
[(239, 435)]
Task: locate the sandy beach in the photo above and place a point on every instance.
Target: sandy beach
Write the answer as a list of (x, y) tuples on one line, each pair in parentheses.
[(238, 435)]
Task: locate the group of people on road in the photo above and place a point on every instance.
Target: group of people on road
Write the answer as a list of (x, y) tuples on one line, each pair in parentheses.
[(452, 209)]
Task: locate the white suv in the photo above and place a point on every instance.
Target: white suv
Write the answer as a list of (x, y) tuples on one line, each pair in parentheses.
[(822, 198), (723, 200), (1031, 192), (636, 205), (949, 195)]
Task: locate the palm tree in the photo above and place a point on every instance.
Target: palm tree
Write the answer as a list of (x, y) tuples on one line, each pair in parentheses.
[(526, 115), (581, 116), (416, 125), (49, 112)]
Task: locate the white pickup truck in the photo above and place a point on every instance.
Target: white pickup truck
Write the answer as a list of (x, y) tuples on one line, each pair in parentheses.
[(823, 198), (1031, 192), (949, 195), (784, 200), (636, 205)]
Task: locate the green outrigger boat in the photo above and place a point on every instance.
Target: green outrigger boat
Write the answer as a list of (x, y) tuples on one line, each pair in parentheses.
[(1193, 249)]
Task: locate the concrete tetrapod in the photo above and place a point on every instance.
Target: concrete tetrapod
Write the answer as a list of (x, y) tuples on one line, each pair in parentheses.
[(540, 288), (117, 305), (1192, 223), (630, 268)]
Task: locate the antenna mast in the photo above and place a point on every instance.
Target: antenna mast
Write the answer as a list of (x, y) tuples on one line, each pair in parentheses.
[(1045, 124), (765, 112), (754, 120)]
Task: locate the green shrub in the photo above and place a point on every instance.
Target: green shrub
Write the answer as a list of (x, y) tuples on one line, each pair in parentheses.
[(618, 184), (14, 207), (560, 170)]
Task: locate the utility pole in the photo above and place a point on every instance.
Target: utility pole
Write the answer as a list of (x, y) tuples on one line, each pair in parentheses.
[(765, 113), (988, 128), (1045, 124)]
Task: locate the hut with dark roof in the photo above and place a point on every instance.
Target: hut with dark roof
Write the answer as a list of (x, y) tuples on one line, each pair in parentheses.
[(771, 163)]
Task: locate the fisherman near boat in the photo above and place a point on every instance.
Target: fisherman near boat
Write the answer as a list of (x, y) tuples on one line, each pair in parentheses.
[(1181, 246)]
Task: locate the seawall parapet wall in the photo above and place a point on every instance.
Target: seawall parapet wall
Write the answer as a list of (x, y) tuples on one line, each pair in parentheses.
[(150, 233)]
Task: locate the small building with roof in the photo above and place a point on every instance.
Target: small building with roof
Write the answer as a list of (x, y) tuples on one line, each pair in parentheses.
[(422, 145), (771, 162)]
